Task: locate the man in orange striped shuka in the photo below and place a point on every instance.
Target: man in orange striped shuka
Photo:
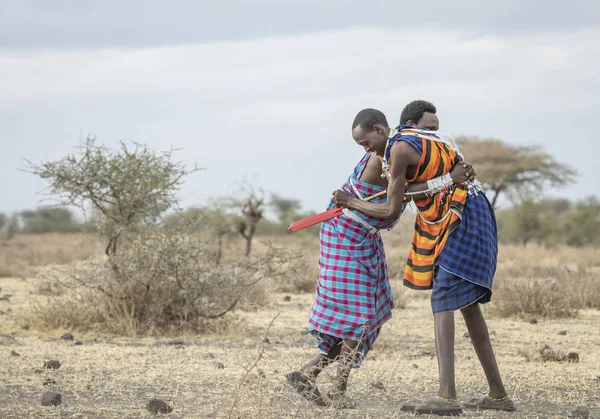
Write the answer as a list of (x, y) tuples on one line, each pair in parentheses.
[(455, 243)]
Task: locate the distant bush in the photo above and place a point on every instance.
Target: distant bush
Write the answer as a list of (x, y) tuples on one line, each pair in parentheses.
[(551, 222), (538, 289)]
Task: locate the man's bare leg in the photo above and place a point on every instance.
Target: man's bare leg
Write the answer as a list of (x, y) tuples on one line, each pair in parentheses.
[(444, 345), (446, 403), (304, 380), (497, 398), (346, 363), (480, 338), (313, 368)]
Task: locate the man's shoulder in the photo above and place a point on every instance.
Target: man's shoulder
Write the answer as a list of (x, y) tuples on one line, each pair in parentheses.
[(405, 151)]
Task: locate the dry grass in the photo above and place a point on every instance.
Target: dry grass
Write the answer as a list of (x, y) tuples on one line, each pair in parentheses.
[(23, 254), (536, 282), (109, 377)]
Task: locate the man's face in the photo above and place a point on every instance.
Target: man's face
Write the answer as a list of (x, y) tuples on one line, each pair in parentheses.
[(428, 121), (373, 141)]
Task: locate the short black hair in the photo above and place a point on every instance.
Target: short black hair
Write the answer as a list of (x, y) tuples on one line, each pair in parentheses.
[(414, 111), (367, 118)]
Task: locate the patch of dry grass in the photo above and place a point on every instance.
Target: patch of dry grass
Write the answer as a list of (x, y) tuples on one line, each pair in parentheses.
[(24, 253), (536, 282), (111, 377)]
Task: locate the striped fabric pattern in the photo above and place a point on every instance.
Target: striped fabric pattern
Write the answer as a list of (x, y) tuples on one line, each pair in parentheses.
[(439, 214), (353, 297)]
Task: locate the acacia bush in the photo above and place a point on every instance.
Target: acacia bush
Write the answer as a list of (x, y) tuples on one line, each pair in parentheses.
[(160, 275)]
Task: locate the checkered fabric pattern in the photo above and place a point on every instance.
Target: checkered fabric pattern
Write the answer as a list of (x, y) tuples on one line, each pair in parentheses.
[(451, 292), (471, 251), (353, 297)]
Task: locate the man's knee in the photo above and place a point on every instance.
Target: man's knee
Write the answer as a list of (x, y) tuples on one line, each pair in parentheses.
[(470, 311)]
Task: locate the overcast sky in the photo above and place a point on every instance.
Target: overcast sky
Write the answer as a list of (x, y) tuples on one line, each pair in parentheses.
[(267, 90)]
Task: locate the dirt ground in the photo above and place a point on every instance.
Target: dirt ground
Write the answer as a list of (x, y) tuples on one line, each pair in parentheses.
[(107, 377)]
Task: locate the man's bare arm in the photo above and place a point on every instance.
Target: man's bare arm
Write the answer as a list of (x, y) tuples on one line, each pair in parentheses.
[(462, 171), (402, 156)]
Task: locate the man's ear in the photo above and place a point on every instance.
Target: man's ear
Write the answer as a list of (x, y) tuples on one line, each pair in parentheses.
[(410, 122)]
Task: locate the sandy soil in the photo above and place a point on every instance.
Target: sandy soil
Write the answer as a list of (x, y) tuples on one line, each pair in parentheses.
[(114, 378)]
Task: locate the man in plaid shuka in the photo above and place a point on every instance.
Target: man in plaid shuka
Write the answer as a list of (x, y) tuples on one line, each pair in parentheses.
[(455, 241), (353, 297)]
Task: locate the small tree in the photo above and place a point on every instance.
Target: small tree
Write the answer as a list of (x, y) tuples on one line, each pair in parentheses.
[(219, 223), (3, 221), (128, 187), (49, 220), (583, 223), (13, 226), (513, 170), (285, 208), (250, 205)]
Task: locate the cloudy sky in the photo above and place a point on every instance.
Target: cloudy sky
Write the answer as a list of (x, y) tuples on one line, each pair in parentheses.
[(267, 90)]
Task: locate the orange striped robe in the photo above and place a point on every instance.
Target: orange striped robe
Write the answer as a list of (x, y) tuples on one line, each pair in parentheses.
[(431, 234)]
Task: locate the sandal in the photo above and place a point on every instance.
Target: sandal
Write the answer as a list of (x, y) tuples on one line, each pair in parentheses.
[(305, 387), (438, 406), (488, 403)]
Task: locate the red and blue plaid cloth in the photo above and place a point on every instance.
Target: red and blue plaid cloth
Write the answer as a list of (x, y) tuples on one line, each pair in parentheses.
[(353, 298)]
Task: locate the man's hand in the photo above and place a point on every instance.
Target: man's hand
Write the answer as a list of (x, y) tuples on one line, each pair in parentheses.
[(342, 199), (462, 171)]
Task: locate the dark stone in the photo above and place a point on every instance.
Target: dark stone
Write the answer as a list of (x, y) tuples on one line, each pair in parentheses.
[(158, 406), (15, 353), (37, 371), (287, 298), (52, 365), (573, 357), (466, 335), (533, 321), (48, 382), (67, 336), (378, 384), (266, 340), (580, 412), (219, 365), (409, 408), (415, 366), (562, 333), (78, 343), (51, 398)]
